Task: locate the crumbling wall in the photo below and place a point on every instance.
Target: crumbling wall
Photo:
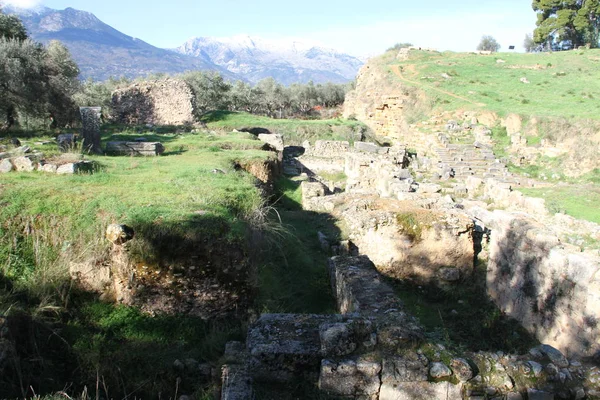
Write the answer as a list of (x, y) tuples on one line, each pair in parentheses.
[(551, 288), (162, 102)]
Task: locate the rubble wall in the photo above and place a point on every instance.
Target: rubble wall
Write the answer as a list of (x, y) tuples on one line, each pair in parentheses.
[(163, 102)]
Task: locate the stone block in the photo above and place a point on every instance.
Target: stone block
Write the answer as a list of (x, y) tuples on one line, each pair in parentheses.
[(420, 391), (286, 347), (274, 140), (75, 168), (236, 383), (356, 378), (51, 168), (429, 188), (23, 164), (150, 149), (411, 367)]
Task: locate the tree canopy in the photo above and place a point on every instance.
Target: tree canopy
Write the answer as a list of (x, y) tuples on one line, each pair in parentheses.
[(35, 80), (574, 20), (488, 43)]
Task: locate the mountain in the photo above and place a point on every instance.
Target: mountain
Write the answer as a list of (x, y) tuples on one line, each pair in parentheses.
[(288, 61), (102, 51)]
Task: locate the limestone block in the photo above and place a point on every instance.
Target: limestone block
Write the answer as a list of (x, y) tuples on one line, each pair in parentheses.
[(74, 168), (275, 140), (411, 367), (51, 168), (513, 124), (23, 164), (119, 234), (135, 148), (6, 166)]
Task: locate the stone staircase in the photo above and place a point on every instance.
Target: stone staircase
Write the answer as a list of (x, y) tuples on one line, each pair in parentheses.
[(464, 160)]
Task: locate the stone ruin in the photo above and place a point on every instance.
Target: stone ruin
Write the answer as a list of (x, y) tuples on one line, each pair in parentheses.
[(91, 120), (403, 227), (161, 102)]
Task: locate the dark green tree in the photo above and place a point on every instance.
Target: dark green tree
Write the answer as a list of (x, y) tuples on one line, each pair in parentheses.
[(574, 20), (11, 27)]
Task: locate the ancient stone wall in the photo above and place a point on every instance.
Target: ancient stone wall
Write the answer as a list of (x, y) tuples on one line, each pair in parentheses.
[(551, 288), (162, 102)]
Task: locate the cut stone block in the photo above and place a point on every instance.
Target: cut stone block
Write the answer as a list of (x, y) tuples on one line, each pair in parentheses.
[(150, 149)]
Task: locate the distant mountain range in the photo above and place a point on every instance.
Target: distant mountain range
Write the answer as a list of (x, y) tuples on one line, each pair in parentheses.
[(102, 51), (287, 61)]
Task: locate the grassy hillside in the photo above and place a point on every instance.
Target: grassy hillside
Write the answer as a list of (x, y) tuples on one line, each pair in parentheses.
[(295, 131), (562, 84)]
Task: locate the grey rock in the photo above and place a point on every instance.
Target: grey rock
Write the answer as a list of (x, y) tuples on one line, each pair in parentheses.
[(6, 166), (51, 168), (514, 396), (354, 378), (554, 355), (439, 370), (236, 383), (404, 174), (536, 368), (411, 367)]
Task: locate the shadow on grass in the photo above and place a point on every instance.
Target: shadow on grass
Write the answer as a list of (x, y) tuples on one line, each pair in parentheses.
[(215, 116)]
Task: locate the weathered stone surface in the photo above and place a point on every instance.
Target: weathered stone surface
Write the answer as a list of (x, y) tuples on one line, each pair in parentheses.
[(6, 166), (236, 383), (91, 118), (311, 190), (429, 188), (135, 148), (549, 289), (411, 367), (462, 369), (161, 102), (513, 124), (368, 147), (328, 148), (23, 164), (286, 347), (439, 370), (449, 274), (274, 140), (51, 168), (66, 141), (74, 168), (420, 391), (119, 234), (555, 356), (350, 378)]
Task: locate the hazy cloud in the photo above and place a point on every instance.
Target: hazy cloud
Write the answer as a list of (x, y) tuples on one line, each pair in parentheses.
[(21, 3)]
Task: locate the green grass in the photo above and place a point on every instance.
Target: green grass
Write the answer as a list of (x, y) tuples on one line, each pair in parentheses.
[(463, 318), (567, 84), (178, 208), (295, 131), (579, 201)]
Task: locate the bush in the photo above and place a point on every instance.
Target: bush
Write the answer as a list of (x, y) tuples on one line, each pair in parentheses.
[(488, 43)]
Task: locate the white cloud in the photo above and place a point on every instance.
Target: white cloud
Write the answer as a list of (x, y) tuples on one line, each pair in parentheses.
[(21, 3)]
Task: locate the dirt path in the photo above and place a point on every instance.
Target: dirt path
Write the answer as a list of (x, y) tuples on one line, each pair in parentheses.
[(396, 70)]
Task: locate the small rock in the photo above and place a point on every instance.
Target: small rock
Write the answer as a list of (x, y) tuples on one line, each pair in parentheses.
[(49, 168), (6, 166), (461, 369), (218, 171), (536, 368), (178, 365), (554, 355), (533, 394), (524, 80), (119, 234), (439, 370)]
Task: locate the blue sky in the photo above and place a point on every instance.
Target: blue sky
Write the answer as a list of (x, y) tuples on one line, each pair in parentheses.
[(357, 27)]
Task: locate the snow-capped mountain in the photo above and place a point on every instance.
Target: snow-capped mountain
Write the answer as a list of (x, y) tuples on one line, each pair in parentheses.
[(286, 60), (102, 51)]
